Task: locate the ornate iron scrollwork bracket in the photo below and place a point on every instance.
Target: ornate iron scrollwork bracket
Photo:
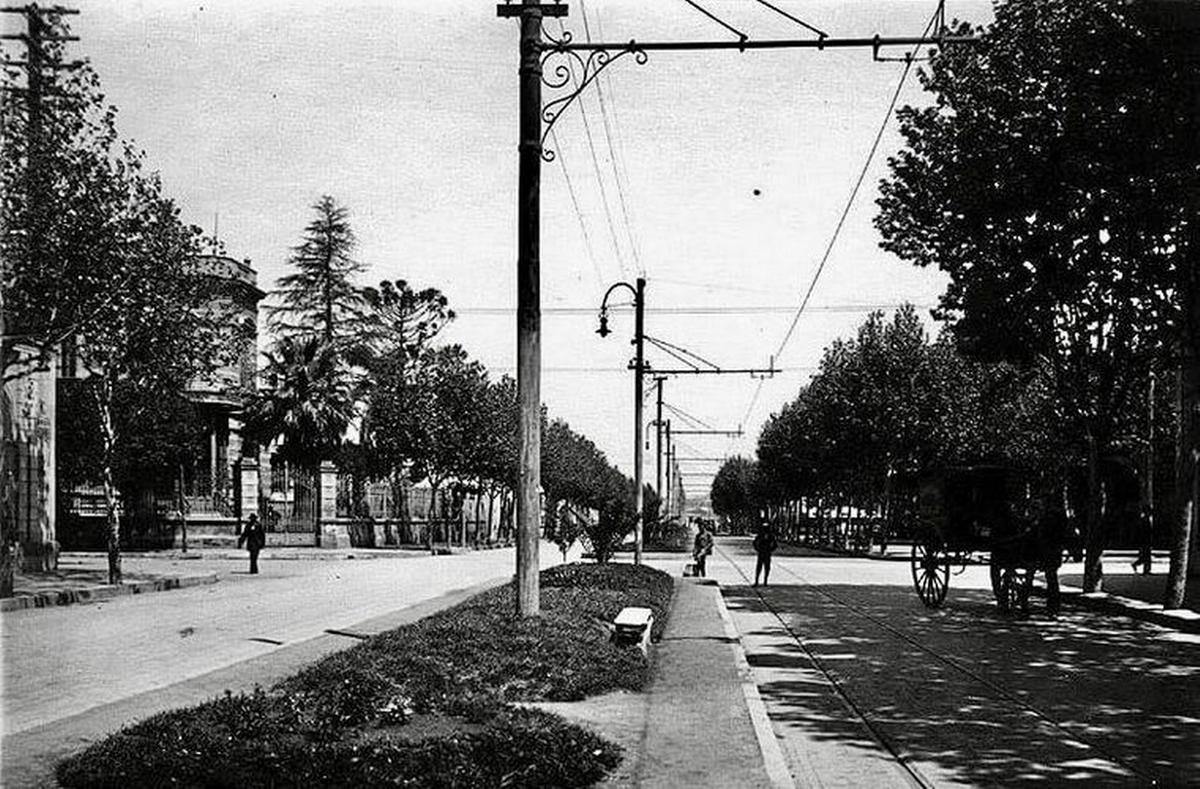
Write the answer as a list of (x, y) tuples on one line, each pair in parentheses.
[(568, 72)]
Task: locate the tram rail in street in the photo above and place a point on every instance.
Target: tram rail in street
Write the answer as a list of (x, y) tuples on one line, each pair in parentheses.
[(904, 759)]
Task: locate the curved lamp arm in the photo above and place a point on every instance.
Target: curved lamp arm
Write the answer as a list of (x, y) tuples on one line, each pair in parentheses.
[(604, 331)]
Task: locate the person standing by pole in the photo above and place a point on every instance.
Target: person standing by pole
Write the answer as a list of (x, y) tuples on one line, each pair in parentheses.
[(255, 538)]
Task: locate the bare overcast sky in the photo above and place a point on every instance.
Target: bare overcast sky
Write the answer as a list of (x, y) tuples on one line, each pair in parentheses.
[(734, 171)]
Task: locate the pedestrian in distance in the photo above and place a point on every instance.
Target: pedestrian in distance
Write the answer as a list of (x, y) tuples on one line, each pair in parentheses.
[(764, 546), (701, 549), (1145, 557), (255, 538)]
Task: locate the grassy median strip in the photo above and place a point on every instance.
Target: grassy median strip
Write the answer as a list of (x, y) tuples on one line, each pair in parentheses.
[(424, 705)]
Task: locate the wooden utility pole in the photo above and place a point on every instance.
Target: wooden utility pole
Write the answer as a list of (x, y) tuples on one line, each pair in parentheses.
[(638, 446), (658, 442), (529, 311), (667, 500)]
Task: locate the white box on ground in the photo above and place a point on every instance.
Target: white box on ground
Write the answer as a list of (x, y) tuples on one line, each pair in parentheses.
[(633, 625)]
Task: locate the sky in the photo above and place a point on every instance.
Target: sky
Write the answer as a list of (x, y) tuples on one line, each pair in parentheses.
[(719, 176)]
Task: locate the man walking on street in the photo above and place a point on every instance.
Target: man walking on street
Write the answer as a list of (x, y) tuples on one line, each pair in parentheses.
[(255, 538), (764, 546)]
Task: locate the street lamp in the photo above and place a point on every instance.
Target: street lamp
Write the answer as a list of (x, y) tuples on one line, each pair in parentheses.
[(639, 301)]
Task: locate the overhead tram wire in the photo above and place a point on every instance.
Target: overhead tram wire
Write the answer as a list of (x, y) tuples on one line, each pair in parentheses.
[(612, 154), (798, 21), (620, 139), (587, 238), (673, 347), (908, 61), (741, 36), (691, 309), (587, 129), (695, 420), (668, 351)]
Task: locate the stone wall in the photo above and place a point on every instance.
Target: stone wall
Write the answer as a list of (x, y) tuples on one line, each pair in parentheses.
[(29, 462)]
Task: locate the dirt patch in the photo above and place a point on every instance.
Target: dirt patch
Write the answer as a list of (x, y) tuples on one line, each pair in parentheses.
[(618, 716)]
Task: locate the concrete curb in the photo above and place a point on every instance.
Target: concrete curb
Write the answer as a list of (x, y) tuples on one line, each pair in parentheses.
[(97, 593), (768, 744), (1182, 619)]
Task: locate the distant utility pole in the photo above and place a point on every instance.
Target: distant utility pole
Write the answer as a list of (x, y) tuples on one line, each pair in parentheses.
[(529, 309), (39, 30), (667, 500), (658, 448)]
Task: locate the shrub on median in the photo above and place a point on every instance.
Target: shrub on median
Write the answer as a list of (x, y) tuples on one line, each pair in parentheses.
[(422, 705)]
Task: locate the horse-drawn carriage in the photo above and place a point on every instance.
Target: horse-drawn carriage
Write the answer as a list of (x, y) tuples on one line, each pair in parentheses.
[(963, 513)]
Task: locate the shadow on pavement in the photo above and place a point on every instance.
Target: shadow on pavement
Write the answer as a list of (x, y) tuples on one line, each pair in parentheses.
[(1085, 699)]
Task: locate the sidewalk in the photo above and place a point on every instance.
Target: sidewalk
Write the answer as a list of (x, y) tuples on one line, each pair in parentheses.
[(82, 577), (1136, 596), (700, 722)]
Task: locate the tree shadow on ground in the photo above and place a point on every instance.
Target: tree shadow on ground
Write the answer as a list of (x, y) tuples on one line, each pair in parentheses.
[(1088, 698)]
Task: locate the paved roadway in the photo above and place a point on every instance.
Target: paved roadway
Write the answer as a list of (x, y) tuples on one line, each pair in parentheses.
[(60, 662), (865, 686)]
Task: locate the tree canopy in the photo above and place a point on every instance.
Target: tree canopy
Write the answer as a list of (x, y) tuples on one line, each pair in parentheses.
[(1052, 178)]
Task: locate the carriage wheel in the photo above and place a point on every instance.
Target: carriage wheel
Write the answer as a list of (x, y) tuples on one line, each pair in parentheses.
[(930, 571)]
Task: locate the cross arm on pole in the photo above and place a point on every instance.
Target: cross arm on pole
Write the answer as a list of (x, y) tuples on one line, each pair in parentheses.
[(874, 42), (721, 371), (507, 10)]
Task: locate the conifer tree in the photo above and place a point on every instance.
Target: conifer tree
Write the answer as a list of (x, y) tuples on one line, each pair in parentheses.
[(320, 297)]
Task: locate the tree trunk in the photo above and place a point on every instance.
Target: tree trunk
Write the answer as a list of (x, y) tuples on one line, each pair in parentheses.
[(475, 528), (1093, 531), (1187, 449), (102, 391), (491, 511), (460, 502), (182, 512), (112, 521), (430, 512)]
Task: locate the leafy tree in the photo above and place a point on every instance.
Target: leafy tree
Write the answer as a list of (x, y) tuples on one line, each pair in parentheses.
[(430, 420), (320, 296), (575, 471), (733, 493), (307, 407), (400, 323), (887, 405), (497, 465), (96, 256), (1048, 180)]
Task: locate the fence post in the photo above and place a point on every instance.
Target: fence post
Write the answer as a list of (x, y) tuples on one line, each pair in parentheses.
[(248, 485), (333, 532)]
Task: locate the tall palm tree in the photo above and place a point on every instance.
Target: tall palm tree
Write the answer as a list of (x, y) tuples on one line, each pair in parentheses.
[(307, 408)]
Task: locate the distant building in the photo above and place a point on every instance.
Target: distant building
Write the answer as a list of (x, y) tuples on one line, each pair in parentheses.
[(211, 484), (222, 395)]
